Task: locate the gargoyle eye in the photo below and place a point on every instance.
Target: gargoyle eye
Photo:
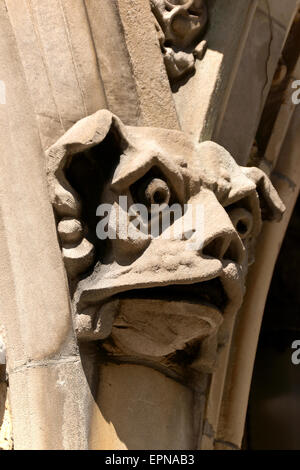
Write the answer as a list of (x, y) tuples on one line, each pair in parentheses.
[(242, 221), (154, 191)]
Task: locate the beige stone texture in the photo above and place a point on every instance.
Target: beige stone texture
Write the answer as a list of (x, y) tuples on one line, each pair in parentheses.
[(282, 13), (200, 175), (86, 81), (180, 27), (137, 327), (155, 98), (252, 84), (59, 62), (140, 408), (34, 300), (200, 107), (287, 181)]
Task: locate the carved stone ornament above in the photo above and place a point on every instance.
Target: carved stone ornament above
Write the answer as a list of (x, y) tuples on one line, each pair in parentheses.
[(180, 25), (159, 297)]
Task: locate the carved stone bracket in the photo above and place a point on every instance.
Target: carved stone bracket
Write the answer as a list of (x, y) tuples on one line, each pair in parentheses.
[(180, 25), (162, 298)]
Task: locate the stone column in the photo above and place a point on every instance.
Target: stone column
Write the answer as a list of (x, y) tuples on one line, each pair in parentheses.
[(88, 94)]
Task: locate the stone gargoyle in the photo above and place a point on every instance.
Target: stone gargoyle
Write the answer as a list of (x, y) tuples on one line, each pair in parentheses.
[(154, 297), (180, 25)]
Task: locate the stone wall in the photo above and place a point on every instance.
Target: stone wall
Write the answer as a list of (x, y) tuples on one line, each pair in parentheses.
[(84, 348)]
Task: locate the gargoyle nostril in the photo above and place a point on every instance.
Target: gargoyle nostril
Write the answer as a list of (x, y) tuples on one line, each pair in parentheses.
[(234, 252), (225, 247), (214, 248)]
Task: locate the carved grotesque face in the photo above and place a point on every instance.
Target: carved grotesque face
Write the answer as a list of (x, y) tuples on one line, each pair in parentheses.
[(182, 21), (155, 294), (180, 25)]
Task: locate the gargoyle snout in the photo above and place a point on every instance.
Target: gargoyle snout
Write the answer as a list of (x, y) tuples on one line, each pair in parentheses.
[(216, 233)]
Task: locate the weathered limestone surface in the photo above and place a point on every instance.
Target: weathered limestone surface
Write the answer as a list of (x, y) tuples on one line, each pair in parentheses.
[(42, 352), (253, 81), (150, 405), (58, 59), (287, 181), (155, 98), (281, 159), (203, 175), (128, 296), (128, 345), (180, 26), (200, 108)]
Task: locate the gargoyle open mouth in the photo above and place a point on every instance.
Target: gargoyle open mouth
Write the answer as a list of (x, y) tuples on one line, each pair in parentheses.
[(209, 293), (155, 322)]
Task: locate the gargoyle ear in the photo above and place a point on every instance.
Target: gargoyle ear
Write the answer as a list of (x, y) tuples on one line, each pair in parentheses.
[(272, 208), (84, 135)]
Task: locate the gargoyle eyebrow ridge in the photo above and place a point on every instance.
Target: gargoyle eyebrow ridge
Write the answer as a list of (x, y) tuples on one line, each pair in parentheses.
[(134, 165)]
